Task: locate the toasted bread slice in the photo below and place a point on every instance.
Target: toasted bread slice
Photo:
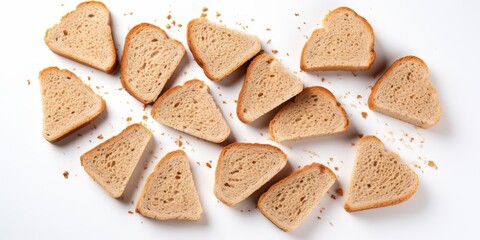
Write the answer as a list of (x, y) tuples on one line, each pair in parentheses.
[(84, 35), (243, 168), (148, 61), (266, 86), (219, 50), (379, 177), (68, 103), (170, 191), (112, 162), (315, 112), (344, 43), (405, 92), (191, 109), (292, 199)]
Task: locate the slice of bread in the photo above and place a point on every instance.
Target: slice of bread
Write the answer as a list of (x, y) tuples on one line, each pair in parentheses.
[(84, 35), (315, 112), (191, 109), (148, 61), (292, 199), (344, 43), (266, 86), (379, 177), (170, 192), (68, 103), (220, 50), (243, 168), (405, 92), (112, 162)]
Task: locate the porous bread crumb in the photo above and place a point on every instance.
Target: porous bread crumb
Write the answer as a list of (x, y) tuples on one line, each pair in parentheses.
[(339, 192), (432, 164), (167, 26), (204, 9), (364, 115), (65, 174), (100, 136), (145, 118), (169, 16)]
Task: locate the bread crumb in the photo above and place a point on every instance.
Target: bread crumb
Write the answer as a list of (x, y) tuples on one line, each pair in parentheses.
[(353, 73), (360, 135), (432, 164), (130, 212), (179, 142), (129, 119), (65, 174), (224, 102), (274, 51), (208, 165), (331, 224), (297, 14), (179, 25), (218, 14), (198, 163), (323, 79), (174, 23), (145, 118), (204, 9), (412, 139), (364, 115), (336, 168), (269, 41), (359, 96), (203, 14), (169, 16), (339, 192), (352, 144), (167, 26), (333, 197), (319, 218), (261, 134), (231, 115), (268, 29), (28, 82), (330, 158), (100, 136)]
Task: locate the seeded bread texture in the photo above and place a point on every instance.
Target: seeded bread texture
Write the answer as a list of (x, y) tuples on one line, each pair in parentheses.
[(405, 92), (170, 191), (344, 43), (379, 177), (266, 86), (148, 61), (288, 202), (68, 103), (191, 109), (315, 112), (84, 35), (243, 168), (112, 162), (220, 50)]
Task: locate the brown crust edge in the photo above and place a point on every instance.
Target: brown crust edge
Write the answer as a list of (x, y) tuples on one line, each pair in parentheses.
[(296, 100), (319, 166), (343, 68), (125, 53), (220, 165), (350, 208)]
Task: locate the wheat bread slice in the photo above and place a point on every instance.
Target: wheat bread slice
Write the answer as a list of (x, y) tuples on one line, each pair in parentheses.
[(170, 191), (344, 43), (405, 92), (112, 162), (68, 104), (266, 86), (243, 168), (191, 109), (315, 112), (148, 61), (219, 50), (84, 35), (379, 177), (288, 202)]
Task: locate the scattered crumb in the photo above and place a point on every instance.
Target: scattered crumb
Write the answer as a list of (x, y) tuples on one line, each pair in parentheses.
[(130, 212), (268, 29), (288, 54), (198, 163), (208, 165), (179, 25), (235, 101), (224, 102), (364, 115), (145, 118), (167, 26), (336, 168), (65, 174), (129, 119), (100, 136), (330, 158), (319, 218), (274, 51), (218, 14), (333, 197), (179, 142), (354, 74), (231, 115), (352, 144), (297, 14), (339, 192), (174, 23), (331, 224), (412, 139), (203, 14), (204, 9), (432, 164), (360, 135), (323, 79), (359, 96), (269, 41), (79, 135), (169, 16)]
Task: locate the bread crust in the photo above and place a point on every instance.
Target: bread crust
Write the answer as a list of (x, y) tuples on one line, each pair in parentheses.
[(350, 208), (128, 38), (296, 100), (305, 68), (371, 98), (220, 163), (321, 167), (89, 120), (112, 65)]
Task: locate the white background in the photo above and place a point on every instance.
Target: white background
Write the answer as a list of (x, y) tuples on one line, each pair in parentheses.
[(37, 202)]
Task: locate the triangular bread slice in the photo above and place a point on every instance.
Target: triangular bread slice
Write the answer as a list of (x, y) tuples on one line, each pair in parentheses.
[(405, 92), (148, 61), (191, 109), (344, 43), (84, 35), (266, 86), (379, 177), (288, 202), (68, 103), (243, 168), (315, 112), (219, 50), (112, 162), (170, 191)]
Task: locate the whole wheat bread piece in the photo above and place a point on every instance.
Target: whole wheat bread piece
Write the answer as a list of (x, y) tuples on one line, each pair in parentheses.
[(315, 112), (405, 92), (84, 35), (243, 168), (170, 192), (148, 61), (288, 202), (266, 86), (344, 43), (379, 177), (112, 162), (219, 50), (191, 109), (68, 103)]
